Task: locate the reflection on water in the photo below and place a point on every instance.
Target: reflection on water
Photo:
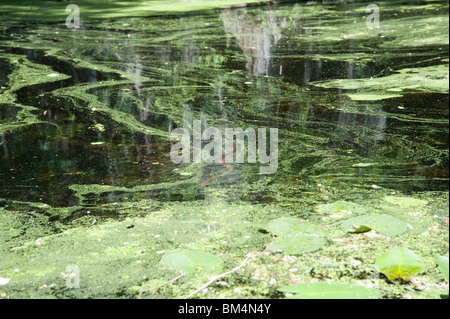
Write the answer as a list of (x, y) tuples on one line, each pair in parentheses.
[(131, 81), (257, 34)]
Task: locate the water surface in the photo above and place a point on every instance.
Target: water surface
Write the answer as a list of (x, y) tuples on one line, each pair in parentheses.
[(85, 114)]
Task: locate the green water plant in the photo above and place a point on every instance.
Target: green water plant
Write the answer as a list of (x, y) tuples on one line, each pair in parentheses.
[(286, 226), (442, 261), (295, 236), (401, 263), (190, 261), (384, 224), (297, 244)]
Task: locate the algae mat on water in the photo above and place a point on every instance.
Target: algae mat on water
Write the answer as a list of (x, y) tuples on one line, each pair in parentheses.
[(432, 79), (32, 11), (128, 258), (88, 189)]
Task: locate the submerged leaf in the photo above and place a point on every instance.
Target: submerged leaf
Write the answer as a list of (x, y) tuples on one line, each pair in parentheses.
[(442, 261), (340, 207), (384, 224), (297, 243), (285, 226), (190, 261), (400, 262), (323, 290)]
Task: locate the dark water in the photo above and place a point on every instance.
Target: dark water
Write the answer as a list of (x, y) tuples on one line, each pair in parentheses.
[(248, 67)]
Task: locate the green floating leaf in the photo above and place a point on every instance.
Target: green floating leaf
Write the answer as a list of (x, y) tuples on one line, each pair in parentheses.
[(400, 262), (340, 207), (286, 226), (323, 290), (190, 261), (442, 261), (384, 224), (297, 244)]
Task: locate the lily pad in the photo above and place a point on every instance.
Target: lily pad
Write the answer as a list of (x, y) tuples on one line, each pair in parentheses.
[(286, 226), (400, 262), (323, 290), (297, 243), (442, 261), (384, 224), (341, 207), (190, 261)]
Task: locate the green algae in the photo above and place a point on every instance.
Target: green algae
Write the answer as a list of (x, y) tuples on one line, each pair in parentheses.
[(24, 74), (116, 243), (133, 247), (125, 225), (81, 191), (432, 79), (15, 227), (50, 11), (406, 202)]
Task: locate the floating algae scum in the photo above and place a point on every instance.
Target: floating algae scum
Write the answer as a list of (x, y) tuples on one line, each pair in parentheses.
[(86, 177)]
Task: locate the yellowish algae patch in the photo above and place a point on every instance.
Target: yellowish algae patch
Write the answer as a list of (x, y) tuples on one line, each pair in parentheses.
[(431, 79)]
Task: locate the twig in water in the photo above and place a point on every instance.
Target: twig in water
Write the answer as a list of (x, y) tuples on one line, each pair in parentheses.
[(165, 284), (169, 282), (215, 278)]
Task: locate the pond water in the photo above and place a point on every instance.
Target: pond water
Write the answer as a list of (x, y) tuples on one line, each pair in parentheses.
[(85, 114)]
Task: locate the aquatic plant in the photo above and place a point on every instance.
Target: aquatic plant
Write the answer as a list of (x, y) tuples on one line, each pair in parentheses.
[(400, 262), (190, 261), (442, 261), (384, 224)]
